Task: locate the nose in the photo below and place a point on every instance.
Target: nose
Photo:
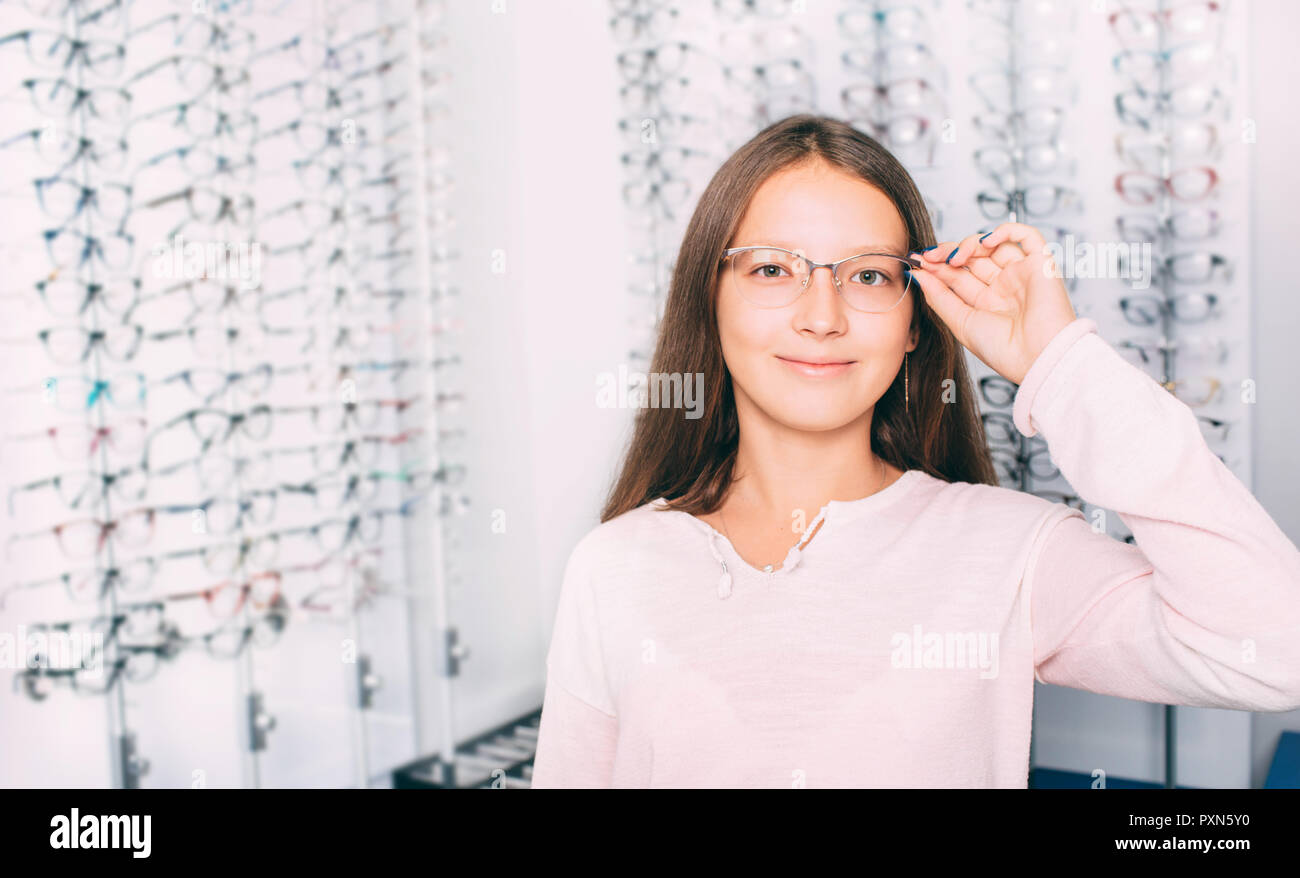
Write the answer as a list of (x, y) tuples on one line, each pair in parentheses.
[(820, 306)]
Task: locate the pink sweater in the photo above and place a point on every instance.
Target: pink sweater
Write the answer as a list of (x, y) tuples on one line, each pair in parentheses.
[(900, 647)]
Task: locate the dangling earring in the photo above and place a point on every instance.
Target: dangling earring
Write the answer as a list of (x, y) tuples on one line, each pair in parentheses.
[(907, 401)]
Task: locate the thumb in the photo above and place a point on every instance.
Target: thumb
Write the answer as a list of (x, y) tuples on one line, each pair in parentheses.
[(947, 304)]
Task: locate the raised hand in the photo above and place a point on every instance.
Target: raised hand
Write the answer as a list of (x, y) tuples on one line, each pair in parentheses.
[(998, 294)]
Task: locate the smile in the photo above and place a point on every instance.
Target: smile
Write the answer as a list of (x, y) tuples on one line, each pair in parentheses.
[(817, 370)]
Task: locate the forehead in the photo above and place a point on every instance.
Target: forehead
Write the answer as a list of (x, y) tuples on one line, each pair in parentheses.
[(821, 209)]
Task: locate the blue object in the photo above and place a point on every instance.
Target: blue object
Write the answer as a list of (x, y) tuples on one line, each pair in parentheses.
[(1284, 773)]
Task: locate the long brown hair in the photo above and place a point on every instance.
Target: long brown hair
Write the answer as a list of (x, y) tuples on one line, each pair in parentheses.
[(689, 461)]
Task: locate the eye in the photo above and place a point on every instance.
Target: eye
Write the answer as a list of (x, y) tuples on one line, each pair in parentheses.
[(762, 269), (880, 278)]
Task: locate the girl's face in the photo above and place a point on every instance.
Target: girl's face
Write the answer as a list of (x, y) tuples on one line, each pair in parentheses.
[(828, 215)]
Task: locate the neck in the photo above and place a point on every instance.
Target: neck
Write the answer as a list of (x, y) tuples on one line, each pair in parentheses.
[(780, 470)]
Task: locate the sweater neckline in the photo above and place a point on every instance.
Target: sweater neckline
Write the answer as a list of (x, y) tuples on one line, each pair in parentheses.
[(834, 513)]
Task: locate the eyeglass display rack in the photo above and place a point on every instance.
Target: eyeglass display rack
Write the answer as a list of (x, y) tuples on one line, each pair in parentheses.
[(1051, 60), (370, 95), (900, 95), (500, 758), (1158, 22)]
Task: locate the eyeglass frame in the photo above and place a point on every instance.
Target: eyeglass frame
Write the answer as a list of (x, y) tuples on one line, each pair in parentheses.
[(833, 266)]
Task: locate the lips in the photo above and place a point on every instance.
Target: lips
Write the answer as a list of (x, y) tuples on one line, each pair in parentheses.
[(819, 368)]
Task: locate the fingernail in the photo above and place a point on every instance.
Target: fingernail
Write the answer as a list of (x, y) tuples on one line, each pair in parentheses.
[(948, 261), (928, 249)]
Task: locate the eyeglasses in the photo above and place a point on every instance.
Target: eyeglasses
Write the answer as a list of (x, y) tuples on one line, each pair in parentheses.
[(1013, 466), (225, 558), (1030, 49), (1137, 107), (208, 296), (1000, 430), (666, 127), (1146, 150), (420, 477), (655, 63), (216, 470), (59, 97), (1187, 184), (875, 102), (77, 393), (898, 61), (199, 164), (70, 345), (332, 492), (56, 51), (1143, 351), (212, 341), (897, 22), (633, 23), (331, 457), (210, 383), (61, 149), (70, 298), (334, 535), (1192, 224), (197, 77), (213, 426), (71, 249), (209, 206), (230, 641), (89, 488), (1187, 21), (1192, 267), (134, 663), (1037, 200), (86, 538), (63, 199), (1006, 90), (225, 515), (225, 599), (1185, 308), (773, 277), (92, 583), (1029, 124), (999, 162), (1181, 64), (666, 161), (79, 440), (1027, 17), (997, 390), (334, 417), (656, 200)]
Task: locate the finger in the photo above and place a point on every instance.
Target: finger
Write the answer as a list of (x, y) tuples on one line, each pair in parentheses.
[(946, 303), (938, 253), (984, 267), (968, 246), (965, 285), (1006, 253), (1026, 237)]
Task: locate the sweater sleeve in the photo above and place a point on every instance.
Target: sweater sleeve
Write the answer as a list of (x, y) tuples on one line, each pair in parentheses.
[(578, 733), (1205, 609)]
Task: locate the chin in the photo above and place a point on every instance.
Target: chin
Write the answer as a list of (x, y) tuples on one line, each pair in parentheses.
[(810, 417)]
